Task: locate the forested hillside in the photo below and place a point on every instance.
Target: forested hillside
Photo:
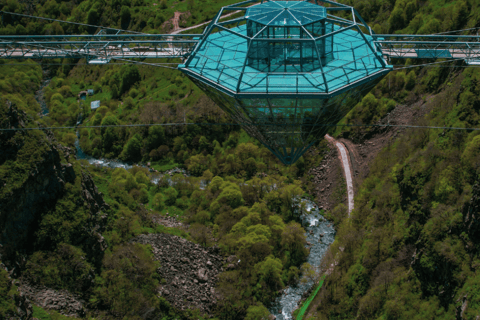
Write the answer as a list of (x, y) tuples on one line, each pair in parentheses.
[(408, 250)]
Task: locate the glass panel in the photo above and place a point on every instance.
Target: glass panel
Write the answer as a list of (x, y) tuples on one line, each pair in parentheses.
[(288, 56)]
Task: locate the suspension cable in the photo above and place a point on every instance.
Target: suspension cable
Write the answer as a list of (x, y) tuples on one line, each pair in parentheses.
[(62, 21), (476, 28), (241, 124), (428, 64)]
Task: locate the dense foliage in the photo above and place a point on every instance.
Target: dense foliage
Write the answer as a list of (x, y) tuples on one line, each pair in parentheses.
[(405, 252)]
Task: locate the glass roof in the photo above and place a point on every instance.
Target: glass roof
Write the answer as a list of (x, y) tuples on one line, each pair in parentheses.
[(286, 13), (222, 57), (285, 88)]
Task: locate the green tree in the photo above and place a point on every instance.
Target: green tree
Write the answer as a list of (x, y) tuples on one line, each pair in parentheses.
[(110, 135), (156, 137), (125, 17), (270, 271), (129, 76), (294, 241), (171, 195), (396, 21), (66, 268), (197, 164), (19, 29), (128, 281), (257, 312), (92, 19), (411, 80), (133, 148), (115, 92), (159, 202)]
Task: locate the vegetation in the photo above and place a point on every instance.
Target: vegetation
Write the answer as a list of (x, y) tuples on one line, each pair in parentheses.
[(405, 252)]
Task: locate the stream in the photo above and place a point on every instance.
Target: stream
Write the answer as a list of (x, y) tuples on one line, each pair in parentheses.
[(39, 94), (321, 234)]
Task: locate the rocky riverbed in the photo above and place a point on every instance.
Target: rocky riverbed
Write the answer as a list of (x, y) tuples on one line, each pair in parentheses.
[(320, 235)]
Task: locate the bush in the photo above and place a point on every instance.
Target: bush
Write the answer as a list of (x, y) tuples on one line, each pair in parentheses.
[(66, 268), (170, 196), (128, 282), (159, 202)]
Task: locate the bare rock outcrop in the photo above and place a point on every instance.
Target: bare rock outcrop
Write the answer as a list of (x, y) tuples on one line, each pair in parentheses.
[(190, 271), (471, 214), (35, 170), (62, 301)]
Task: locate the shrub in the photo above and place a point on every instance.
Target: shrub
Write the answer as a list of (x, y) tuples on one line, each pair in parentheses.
[(66, 268), (56, 97), (159, 202)]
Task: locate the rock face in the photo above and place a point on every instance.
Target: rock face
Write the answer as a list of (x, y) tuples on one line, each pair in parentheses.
[(23, 306), (471, 214), (62, 301), (42, 169), (35, 173), (189, 269)]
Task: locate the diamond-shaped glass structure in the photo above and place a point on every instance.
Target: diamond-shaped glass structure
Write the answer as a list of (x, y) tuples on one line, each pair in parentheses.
[(287, 70)]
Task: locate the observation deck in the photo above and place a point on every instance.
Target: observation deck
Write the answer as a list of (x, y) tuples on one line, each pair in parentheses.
[(286, 71)]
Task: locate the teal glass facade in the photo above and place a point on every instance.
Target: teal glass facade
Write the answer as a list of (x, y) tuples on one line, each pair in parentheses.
[(286, 72)]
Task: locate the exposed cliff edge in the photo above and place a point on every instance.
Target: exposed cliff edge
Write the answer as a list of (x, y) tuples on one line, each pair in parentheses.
[(43, 187)]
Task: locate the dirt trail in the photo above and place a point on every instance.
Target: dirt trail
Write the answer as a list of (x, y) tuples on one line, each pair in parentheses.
[(344, 159), (360, 149), (176, 18)]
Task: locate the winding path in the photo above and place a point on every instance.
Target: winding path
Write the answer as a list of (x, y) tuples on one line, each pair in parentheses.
[(346, 169), (177, 29)]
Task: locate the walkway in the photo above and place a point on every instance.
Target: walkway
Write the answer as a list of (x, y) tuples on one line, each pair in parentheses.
[(346, 169)]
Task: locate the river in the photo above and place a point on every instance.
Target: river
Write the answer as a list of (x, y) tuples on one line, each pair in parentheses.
[(319, 233), (39, 94)]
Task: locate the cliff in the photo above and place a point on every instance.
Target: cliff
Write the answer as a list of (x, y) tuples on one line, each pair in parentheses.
[(46, 198)]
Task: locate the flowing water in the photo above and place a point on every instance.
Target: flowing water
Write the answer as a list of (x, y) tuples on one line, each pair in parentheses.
[(114, 163), (99, 162), (39, 94), (316, 226), (319, 233)]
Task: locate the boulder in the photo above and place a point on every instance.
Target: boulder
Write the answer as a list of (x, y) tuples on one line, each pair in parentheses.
[(202, 275)]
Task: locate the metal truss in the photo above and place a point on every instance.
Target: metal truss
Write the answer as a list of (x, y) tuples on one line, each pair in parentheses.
[(102, 47), (98, 48), (429, 47)]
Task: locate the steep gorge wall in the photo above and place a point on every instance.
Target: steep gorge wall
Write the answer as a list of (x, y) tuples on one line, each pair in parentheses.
[(42, 187), (34, 173)]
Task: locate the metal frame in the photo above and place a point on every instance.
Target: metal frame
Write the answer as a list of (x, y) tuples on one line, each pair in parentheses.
[(430, 47), (285, 110), (120, 46)]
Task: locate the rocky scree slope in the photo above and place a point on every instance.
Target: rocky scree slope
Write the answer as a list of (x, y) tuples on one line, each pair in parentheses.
[(190, 271)]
